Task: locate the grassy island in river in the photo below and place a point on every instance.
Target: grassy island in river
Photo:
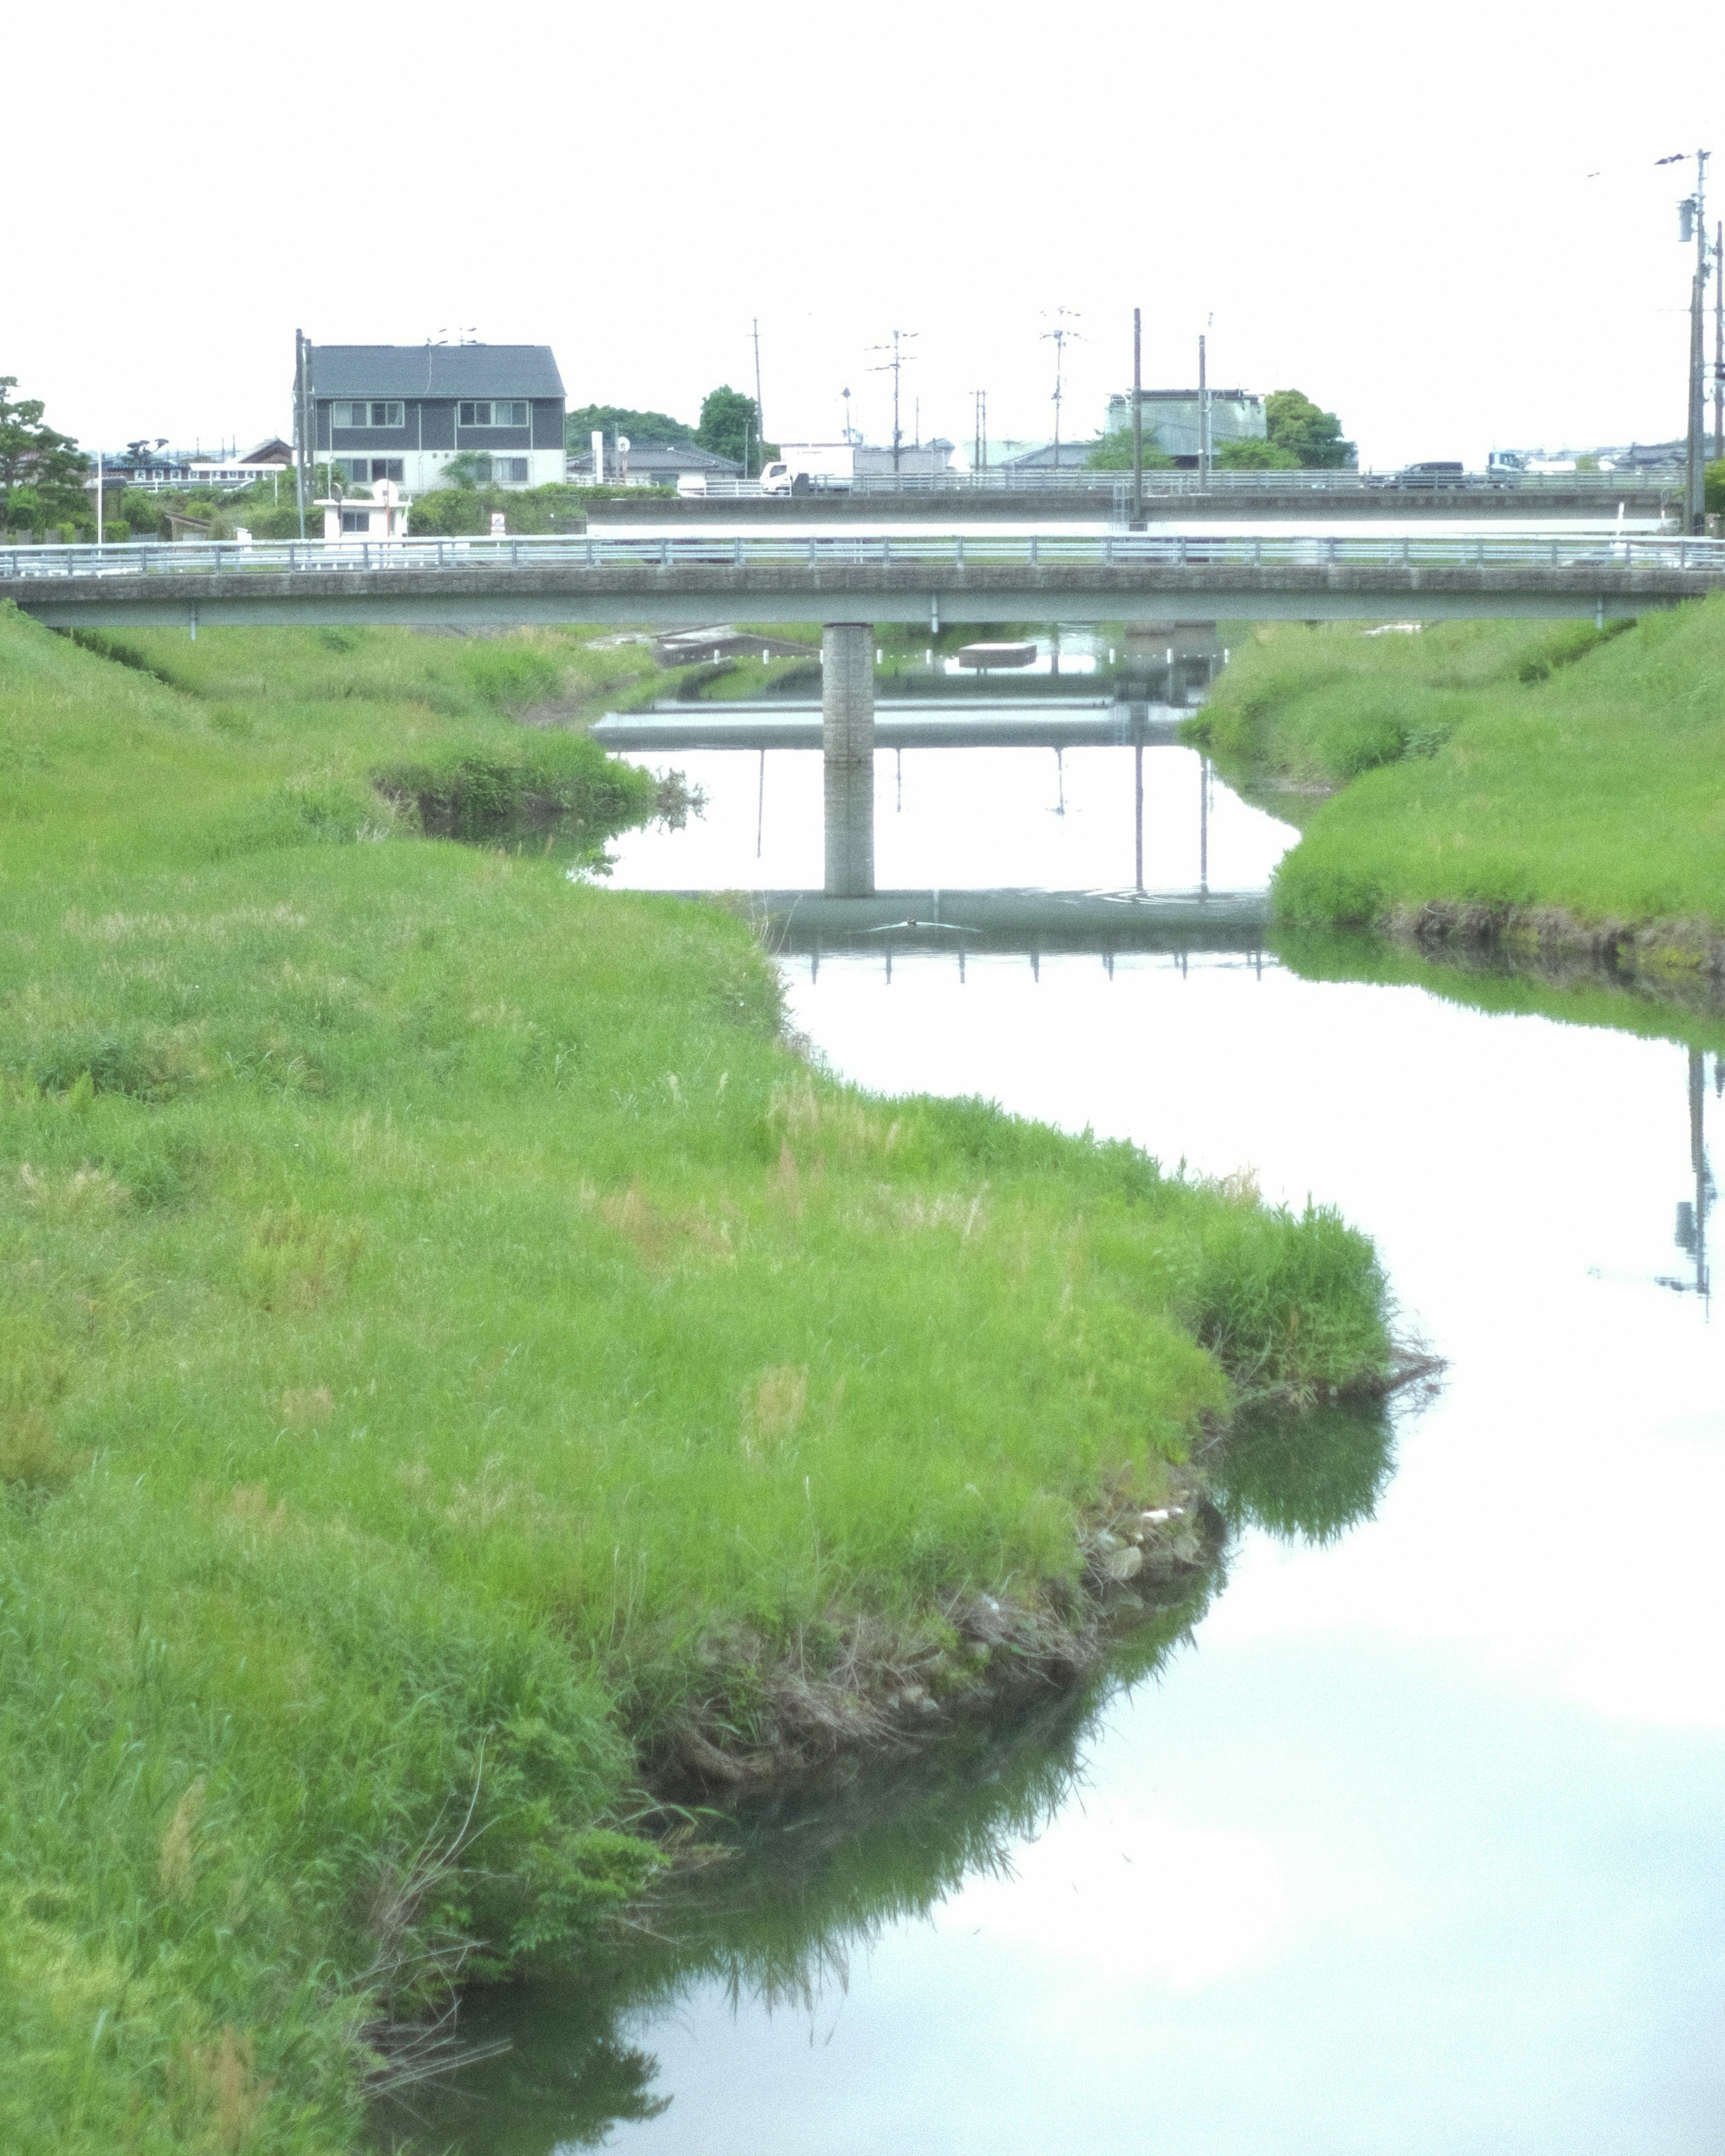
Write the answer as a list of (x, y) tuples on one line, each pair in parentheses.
[(1538, 782), (460, 1369)]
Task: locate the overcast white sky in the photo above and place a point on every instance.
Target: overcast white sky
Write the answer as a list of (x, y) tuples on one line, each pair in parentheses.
[(1386, 205)]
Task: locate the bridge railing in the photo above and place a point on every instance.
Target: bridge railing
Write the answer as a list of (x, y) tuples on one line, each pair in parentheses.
[(592, 552)]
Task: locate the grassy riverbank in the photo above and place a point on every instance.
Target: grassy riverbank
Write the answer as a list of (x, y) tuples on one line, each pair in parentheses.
[(1537, 782), (457, 1364)]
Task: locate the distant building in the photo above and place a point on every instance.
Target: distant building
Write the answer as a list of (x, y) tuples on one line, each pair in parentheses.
[(656, 463), (915, 460), (156, 468), (1646, 457), (402, 413), (1172, 421)]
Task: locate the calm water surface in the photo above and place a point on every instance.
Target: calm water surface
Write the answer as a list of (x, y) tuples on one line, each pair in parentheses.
[(1419, 1843)]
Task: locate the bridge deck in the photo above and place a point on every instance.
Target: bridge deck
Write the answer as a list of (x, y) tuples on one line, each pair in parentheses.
[(858, 577), (1046, 920)]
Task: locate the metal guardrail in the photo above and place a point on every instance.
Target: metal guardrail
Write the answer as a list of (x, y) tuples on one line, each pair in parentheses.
[(1001, 479), (1488, 550)]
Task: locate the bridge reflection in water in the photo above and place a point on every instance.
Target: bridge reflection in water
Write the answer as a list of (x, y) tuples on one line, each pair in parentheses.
[(849, 907)]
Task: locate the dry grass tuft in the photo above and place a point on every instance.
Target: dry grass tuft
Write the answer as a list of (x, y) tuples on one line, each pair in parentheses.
[(217, 2092), (173, 1866), (774, 1404), (658, 1238), (250, 1502), (295, 1259), (84, 1192)]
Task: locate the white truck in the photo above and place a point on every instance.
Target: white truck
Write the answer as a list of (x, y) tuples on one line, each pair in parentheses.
[(811, 468)]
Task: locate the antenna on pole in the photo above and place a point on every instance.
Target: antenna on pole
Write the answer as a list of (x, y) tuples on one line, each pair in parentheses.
[(899, 360), (1059, 337)]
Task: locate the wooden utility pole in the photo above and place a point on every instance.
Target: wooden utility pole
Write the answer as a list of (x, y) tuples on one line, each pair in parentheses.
[(1138, 417)]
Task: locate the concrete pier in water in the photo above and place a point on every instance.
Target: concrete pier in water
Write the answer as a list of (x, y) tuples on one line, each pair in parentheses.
[(847, 711)]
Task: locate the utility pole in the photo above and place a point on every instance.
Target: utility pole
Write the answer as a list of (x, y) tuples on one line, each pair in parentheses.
[(1697, 357), (1138, 417), (1693, 224), (1058, 336), (1203, 417), (900, 359), (302, 371), (760, 416), (1719, 341)]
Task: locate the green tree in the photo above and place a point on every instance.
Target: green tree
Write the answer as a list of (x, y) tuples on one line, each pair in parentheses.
[(41, 472), (1715, 495), (1114, 452), (731, 427), (1253, 455), (610, 420), (1312, 437)]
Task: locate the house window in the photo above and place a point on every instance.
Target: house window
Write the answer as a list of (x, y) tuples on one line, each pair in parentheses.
[(495, 412), (366, 471), (356, 520), (380, 413), (500, 471)]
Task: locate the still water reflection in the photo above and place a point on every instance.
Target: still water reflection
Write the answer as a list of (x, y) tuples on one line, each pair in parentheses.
[(1418, 1840)]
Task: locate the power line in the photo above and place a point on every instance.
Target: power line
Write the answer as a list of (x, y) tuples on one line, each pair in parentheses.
[(1060, 336), (899, 360)]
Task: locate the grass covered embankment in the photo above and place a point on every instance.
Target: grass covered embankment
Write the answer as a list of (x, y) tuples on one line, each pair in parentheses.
[(457, 1365), (1532, 784)]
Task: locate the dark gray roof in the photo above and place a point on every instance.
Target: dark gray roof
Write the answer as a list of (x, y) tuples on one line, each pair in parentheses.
[(1074, 455), (436, 370)]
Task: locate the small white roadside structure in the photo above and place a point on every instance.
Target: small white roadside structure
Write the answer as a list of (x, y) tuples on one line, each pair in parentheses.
[(384, 516)]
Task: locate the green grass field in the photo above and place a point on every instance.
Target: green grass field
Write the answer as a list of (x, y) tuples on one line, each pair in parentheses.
[(1504, 766), (454, 1356)]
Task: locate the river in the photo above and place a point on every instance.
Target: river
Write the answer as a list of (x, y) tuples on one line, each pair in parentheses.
[(1418, 1840)]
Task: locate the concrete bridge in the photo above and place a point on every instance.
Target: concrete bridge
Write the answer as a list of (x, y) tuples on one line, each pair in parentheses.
[(950, 577), (847, 583)]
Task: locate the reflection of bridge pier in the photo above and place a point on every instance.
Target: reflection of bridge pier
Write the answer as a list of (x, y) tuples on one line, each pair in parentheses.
[(847, 712), (1176, 658), (1167, 661)]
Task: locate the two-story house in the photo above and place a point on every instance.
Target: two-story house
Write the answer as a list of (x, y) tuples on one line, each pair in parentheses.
[(404, 412)]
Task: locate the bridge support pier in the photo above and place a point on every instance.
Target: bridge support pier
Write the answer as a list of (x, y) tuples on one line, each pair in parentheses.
[(847, 712)]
